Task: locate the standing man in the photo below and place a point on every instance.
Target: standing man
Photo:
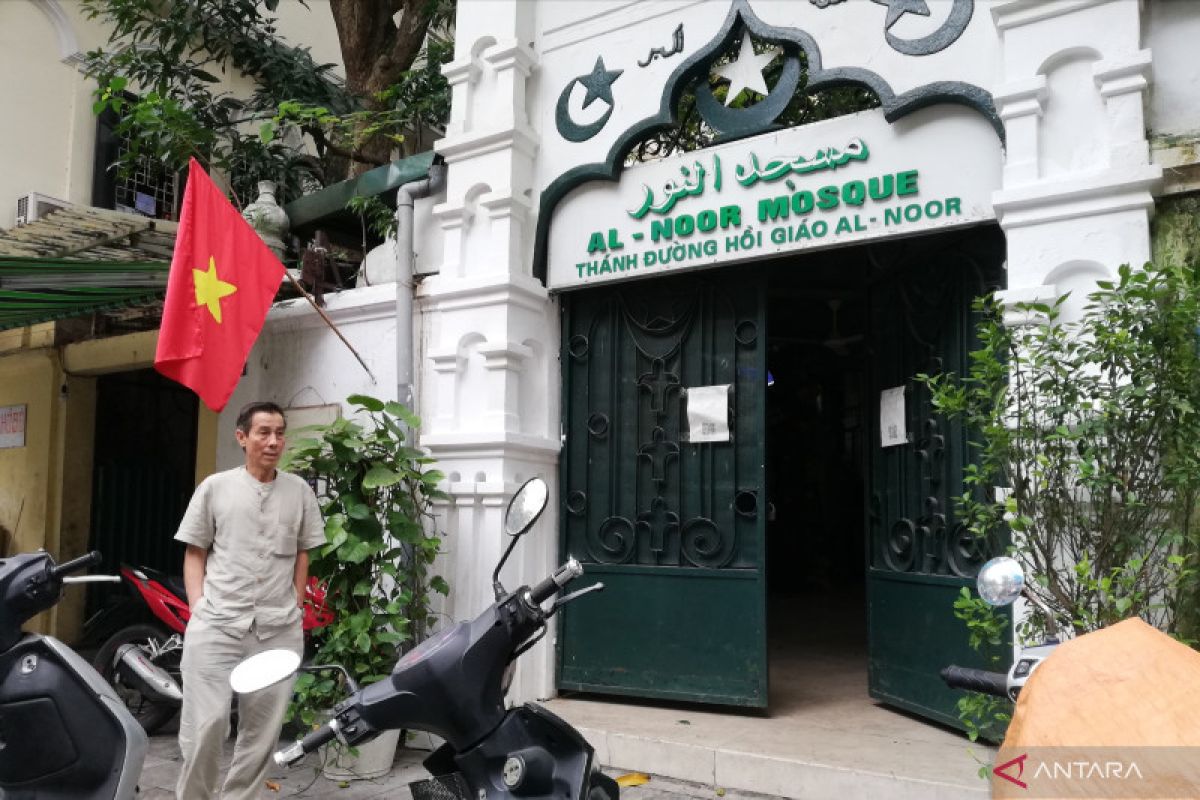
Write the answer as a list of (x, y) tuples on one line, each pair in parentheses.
[(247, 532)]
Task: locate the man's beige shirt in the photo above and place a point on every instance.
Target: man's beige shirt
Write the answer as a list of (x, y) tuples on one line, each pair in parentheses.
[(252, 532)]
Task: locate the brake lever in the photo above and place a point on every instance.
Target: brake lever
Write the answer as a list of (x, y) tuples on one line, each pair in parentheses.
[(567, 598)]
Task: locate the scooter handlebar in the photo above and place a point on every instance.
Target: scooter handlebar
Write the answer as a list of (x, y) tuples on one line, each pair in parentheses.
[(976, 680), (76, 564), (298, 749), (557, 580)]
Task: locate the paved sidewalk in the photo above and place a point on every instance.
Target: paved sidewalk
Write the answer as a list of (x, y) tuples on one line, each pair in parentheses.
[(304, 781)]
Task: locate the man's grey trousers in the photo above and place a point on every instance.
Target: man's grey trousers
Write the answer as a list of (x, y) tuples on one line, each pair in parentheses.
[(209, 655)]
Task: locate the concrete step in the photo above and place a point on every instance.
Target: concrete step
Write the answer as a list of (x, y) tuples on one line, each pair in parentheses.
[(873, 753)]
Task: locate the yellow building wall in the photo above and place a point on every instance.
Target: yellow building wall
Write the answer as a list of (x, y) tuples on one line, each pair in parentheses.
[(29, 475), (46, 486)]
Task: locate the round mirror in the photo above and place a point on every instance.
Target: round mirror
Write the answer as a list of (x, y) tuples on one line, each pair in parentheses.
[(526, 506), (262, 670), (1000, 581)]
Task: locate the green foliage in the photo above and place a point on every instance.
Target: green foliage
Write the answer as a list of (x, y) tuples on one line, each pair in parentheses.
[(1090, 423), (983, 715), (377, 216), (419, 100), (177, 57), (376, 494)]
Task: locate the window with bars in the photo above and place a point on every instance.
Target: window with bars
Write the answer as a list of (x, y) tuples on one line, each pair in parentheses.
[(148, 189)]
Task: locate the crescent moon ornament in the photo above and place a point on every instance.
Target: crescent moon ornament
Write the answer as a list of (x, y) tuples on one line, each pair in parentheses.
[(598, 83), (943, 37)]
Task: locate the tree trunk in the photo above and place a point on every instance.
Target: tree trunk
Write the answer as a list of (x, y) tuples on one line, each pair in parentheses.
[(377, 51)]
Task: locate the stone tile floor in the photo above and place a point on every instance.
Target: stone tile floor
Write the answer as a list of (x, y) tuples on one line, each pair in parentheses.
[(161, 769)]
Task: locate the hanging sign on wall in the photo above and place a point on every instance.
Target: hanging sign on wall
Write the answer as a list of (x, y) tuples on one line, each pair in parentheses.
[(844, 181), (12, 426)]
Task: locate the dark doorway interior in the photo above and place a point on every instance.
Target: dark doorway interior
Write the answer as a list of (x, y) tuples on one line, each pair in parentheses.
[(816, 473), (843, 325), (143, 472)]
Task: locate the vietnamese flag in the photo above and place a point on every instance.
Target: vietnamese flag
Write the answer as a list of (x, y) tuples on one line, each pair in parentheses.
[(222, 281)]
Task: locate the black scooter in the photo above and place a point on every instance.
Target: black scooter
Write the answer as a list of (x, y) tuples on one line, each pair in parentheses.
[(64, 733), (453, 686)]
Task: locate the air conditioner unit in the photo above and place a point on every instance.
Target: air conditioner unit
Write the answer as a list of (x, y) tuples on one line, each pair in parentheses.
[(34, 206)]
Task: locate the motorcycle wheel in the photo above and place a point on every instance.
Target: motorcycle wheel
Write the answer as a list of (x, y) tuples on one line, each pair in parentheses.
[(151, 715)]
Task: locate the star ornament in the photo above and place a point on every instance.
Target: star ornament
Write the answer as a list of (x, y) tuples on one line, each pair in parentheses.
[(898, 8), (746, 72), (599, 83), (210, 289)]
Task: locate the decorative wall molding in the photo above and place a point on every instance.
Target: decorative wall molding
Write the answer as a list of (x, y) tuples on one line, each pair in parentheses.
[(1015, 13), (1106, 192), (489, 444), (521, 139), (68, 42), (476, 292), (1022, 98)]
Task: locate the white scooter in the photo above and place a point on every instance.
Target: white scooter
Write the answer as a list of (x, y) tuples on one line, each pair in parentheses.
[(64, 733)]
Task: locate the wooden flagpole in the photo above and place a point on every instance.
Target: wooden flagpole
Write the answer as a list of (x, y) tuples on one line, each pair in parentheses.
[(329, 322)]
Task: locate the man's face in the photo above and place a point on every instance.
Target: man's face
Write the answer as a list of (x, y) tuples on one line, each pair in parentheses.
[(264, 443)]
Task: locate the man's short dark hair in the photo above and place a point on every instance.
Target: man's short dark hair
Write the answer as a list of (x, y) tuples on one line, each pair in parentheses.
[(246, 415)]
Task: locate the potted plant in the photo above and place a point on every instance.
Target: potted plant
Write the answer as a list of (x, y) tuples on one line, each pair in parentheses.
[(376, 494)]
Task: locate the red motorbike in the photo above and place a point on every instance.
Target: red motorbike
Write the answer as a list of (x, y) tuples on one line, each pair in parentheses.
[(140, 660)]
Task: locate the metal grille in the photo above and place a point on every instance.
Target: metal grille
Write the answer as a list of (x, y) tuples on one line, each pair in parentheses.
[(148, 189), (446, 787)]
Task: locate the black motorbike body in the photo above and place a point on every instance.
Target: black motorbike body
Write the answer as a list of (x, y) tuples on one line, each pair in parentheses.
[(64, 733), (555, 761), (453, 684)]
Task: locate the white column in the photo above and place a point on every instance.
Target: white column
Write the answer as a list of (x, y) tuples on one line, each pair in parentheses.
[(489, 328)]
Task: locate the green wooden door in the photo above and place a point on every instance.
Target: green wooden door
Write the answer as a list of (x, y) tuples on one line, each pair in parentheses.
[(920, 554), (673, 528)]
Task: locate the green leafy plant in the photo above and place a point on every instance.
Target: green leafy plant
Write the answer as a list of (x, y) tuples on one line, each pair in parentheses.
[(1089, 428), (376, 493), (165, 77), (983, 715)]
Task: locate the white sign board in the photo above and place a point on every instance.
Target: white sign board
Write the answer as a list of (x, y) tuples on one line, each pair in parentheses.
[(844, 181), (708, 413), (892, 428), (12, 426)]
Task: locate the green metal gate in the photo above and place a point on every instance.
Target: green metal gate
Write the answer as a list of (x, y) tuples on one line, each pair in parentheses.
[(673, 528), (920, 555)]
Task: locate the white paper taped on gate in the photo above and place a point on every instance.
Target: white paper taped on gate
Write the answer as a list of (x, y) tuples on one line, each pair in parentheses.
[(891, 417), (707, 413)]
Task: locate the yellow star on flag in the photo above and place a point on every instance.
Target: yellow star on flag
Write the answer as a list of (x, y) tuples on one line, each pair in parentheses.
[(210, 289)]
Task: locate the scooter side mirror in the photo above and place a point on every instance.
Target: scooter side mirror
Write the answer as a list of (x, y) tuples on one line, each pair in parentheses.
[(1001, 581), (523, 510), (526, 506), (263, 669)]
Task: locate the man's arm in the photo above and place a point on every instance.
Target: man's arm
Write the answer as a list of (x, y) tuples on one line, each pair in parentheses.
[(300, 577), (195, 561)]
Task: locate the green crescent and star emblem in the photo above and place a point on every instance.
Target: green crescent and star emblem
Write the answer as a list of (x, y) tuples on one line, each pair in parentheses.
[(598, 83)]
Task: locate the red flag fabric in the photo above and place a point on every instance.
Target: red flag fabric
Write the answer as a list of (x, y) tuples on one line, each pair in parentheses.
[(222, 281)]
